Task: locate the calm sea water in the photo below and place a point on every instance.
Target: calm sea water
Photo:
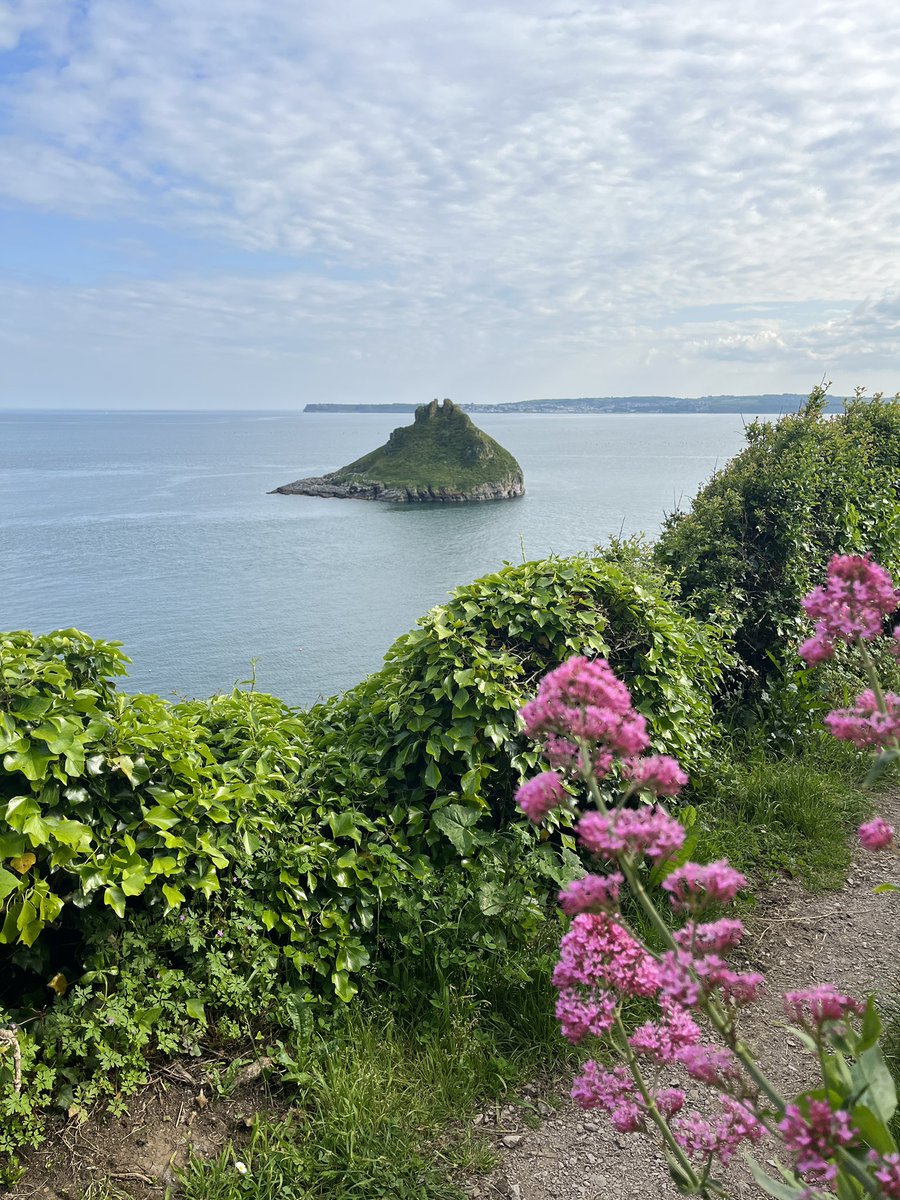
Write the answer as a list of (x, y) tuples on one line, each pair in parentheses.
[(155, 529)]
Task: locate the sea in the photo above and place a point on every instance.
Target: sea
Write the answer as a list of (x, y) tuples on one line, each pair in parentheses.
[(156, 530)]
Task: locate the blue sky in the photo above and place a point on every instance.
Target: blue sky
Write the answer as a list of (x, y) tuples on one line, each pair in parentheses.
[(259, 204)]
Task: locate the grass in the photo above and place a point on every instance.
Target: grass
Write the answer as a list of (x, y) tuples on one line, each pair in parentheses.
[(770, 815), (384, 1099)]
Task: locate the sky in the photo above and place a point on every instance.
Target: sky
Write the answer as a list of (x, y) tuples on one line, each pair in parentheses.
[(263, 203)]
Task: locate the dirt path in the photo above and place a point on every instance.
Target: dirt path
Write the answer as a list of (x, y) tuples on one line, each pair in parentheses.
[(848, 937)]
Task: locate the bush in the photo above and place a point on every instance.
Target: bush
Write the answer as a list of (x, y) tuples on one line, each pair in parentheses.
[(760, 533), (437, 728)]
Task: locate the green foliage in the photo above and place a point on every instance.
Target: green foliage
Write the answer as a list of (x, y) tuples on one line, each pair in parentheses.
[(102, 794), (443, 448), (773, 814), (760, 534), (432, 739)]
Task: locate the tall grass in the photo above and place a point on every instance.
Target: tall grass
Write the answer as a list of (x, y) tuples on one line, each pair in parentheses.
[(770, 815)]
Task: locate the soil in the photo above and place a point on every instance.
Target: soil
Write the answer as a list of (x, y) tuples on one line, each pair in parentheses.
[(175, 1116), (547, 1148), (847, 937)]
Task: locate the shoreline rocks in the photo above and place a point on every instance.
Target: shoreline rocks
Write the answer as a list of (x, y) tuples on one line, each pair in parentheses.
[(320, 485)]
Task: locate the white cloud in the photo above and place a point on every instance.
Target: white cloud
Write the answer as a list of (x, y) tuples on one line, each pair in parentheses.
[(520, 183)]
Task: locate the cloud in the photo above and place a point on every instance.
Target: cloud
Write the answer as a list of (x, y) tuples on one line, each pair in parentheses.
[(519, 180)]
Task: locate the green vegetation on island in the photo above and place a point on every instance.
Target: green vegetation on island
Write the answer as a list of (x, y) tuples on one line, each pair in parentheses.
[(346, 898), (442, 457)]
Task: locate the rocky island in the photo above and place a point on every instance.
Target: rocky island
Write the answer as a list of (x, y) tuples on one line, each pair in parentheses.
[(442, 458)]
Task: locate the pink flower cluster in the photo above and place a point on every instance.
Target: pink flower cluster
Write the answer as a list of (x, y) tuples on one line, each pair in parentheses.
[(716, 937), (583, 699), (614, 1092), (815, 1007), (657, 773), (591, 893), (663, 1040), (631, 831), (694, 887), (887, 1171), (814, 1138), (684, 978), (856, 597), (537, 796), (876, 834), (598, 958), (865, 725), (704, 1140)]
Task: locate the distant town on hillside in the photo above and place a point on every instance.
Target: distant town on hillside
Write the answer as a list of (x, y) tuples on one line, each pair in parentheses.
[(770, 403)]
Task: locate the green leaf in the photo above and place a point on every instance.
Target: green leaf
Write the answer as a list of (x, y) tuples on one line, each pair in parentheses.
[(8, 883), (352, 958), (115, 898), (455, 822), (194, 1008), (874, 1083), (775, 1187), (174, 896), (342, 824), (871, 1026), (874, 1132), (33, 762), (345, 989)]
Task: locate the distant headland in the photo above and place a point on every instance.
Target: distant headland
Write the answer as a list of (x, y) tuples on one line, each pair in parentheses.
[(442, 458), (783, 402)]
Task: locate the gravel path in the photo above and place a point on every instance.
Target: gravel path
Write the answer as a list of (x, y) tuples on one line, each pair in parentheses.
[(846, 937)]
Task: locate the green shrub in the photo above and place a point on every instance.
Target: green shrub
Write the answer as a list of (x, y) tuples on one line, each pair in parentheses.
[(432, 739), (760, 534), (101, 794)]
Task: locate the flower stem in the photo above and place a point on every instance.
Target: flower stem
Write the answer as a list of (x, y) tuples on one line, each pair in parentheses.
[(655, 1115)]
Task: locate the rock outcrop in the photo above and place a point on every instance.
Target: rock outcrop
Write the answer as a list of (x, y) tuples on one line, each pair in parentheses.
[(442, 458)]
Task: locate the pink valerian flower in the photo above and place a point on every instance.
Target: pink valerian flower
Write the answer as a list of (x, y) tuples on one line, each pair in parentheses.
[(814, 1138), (563, 754), (714, 937), (613, 1091), (694, 887), (579, 1016), (647, 831), (537, 796), (662, 1040), (736, 987), (815, 650), (886, 1170), (678, 986), (876, 834), (597, 954), (865, 725), (657, 773), (856, 597), (669, 1101), (815, 1007), (583, 699), (703, 1139), (895, 642), (683, 979), (610, 1090), (591, 893), (712, 1065)]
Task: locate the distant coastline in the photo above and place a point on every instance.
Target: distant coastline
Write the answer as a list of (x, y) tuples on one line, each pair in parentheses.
[(770, 403)]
